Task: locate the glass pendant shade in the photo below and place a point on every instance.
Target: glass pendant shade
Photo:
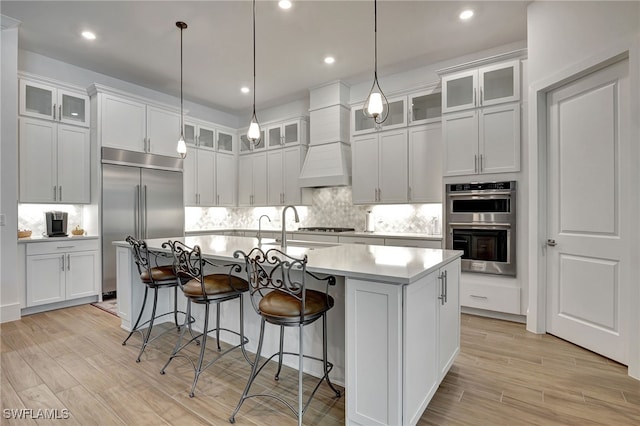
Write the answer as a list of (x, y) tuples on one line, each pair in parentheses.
[(254, 132), (182, 147)]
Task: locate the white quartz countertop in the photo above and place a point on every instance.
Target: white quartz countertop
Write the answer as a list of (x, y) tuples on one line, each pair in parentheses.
[(400, 265), (45, 239)]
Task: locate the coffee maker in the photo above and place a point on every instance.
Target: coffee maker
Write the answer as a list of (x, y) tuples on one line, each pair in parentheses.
[(56, 223)]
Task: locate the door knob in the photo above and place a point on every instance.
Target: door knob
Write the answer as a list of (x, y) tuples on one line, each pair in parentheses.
[(551, 243)]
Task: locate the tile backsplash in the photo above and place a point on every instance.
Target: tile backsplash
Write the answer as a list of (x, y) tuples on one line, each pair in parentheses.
[(330, 207)]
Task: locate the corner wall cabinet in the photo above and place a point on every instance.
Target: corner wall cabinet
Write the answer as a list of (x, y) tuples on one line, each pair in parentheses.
[(379, 167), (62, 270), (247, 147), (210, 166), (252, 179), (134, 124), (481, 118), (50, 102), (54, 162)]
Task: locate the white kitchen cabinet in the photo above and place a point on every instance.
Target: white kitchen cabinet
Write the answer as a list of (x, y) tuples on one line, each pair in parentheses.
[(287, 134), (135, 125), (283, 170), (485, 140), (397, 117), (61, 270), (50, 102), (413, 242), (425, 107), (416, 339), (484, 86), (425, 163), (252, 179), (54, 162), (209, 178), (225, 141), (379, 167), (197, 134)]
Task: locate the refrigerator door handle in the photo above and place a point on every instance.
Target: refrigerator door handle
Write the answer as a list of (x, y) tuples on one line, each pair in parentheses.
[(145, 213), (136, 213)]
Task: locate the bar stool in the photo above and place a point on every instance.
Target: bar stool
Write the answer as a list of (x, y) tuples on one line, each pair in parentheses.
[(153, 277), (279, 295), (206, 290)]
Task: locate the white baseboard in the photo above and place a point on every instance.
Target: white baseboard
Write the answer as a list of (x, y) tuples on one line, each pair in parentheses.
[(493, 314), (10, 312)]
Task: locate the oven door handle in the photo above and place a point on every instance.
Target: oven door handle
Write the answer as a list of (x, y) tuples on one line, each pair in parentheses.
[(492, 225), (478, 194)]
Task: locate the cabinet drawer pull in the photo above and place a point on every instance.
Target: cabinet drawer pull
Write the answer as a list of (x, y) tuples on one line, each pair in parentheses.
[(65, 247), (475, 296)]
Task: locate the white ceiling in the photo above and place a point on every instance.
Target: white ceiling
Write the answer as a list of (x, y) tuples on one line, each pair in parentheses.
[(139, 42)]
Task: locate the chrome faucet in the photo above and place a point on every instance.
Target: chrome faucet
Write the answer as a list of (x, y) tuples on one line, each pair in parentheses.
[(260, 228), (283, 241)]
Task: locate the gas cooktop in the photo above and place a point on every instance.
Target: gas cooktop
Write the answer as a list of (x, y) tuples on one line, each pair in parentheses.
[(325, 229)]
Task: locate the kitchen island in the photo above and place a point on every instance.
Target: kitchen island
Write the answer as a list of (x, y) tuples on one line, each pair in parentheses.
[(394, 330)]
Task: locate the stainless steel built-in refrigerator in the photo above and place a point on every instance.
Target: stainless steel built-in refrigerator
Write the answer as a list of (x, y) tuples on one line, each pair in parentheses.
[(142, 196)]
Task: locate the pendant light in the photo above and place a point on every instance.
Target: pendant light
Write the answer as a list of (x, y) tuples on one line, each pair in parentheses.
[(182, 146), (376, 105), (254, 133)]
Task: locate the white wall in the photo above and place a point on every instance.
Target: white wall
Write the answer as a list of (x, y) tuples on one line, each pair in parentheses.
[(563, 39), (9, 297), (42, 65)]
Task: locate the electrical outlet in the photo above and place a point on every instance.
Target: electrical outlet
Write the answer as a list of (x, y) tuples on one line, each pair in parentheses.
[(3, 219)]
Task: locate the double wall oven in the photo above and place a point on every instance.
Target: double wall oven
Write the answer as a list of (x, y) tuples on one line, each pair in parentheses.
[(481, 222)]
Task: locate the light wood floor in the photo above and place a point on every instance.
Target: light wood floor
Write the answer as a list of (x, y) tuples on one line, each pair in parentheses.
[(72, 359)]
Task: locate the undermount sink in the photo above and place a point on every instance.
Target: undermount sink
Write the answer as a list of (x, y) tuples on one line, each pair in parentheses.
[(300, 243)]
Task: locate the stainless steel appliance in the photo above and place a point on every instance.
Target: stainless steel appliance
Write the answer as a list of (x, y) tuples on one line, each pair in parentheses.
[(142, 196), (56, 223), (481, 221)]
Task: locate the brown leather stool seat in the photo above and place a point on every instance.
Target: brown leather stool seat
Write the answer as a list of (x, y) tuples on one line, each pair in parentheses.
[(159, 275), (215, 284), (281, 305)]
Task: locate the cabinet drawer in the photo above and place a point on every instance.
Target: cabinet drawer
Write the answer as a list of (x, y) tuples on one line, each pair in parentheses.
[(409, 242), (315, 237), (361, 240), (62, 246), (490, 297)]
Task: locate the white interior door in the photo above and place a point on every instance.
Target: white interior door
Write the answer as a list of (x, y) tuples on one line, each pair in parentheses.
[(588, 268)]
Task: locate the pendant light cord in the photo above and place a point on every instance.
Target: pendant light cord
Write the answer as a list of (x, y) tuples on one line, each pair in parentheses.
[(254, 58), (375, 40), (181, 97)]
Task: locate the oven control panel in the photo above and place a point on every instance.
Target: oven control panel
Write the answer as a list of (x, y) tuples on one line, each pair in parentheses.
[(480, 186)]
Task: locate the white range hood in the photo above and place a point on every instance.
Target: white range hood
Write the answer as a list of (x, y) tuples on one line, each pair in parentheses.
[(328, 161)]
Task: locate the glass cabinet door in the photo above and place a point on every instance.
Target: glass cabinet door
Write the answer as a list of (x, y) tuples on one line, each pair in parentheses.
[(206, 137), (397, 117), (72, 109), (37, 100), (361, 123), (425, 107), (500, 83), (190, 133), (291, 134), (225, 142), (275, 137), (459, 91)]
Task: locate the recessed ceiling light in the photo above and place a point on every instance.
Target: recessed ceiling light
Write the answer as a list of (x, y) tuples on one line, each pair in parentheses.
[(466, 14), (88, 35), (284, 4), (329, 60), (244, 89)]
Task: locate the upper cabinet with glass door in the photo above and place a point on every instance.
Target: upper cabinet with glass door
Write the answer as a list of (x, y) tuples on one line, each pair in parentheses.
[(288, 133), (479, 87), (51, 102), (225, 141), (397, 117), (198, 134), (425, 107)]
